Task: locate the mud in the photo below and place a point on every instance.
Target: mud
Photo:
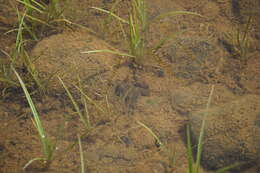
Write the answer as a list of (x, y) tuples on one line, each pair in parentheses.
[(173, 84)]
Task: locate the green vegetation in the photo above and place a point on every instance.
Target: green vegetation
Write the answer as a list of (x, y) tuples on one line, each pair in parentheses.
[(85, 99), (158, 141), (34, 19), (82, 163), (41, 16), (84, 117), (240, 41), (38, 17), (195, 167), (138, 27), (47, 146), (20, 54)]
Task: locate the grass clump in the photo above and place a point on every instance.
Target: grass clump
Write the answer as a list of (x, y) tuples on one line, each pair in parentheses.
[(138, 26), (19, 57), (137, 29), (35, 19), (240, 41), (41, 15)]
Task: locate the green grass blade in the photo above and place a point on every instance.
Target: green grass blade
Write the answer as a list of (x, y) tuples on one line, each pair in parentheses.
[(86, 111), (108, 51), (201, 135), (29, 6), (189, 152), (33, 72), (112, 9), (75, 104), (38, 20), (33, 35), (32, 106), (84, 102), (111, 14), (90, 100), (31, 161), (82, 165), (19, 37), (227, 168), (39, 4), (160, 43), (4, 80), (47, 147), (152, 133)]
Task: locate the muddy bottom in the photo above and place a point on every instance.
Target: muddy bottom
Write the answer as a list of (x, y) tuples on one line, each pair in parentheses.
[(127, 102)]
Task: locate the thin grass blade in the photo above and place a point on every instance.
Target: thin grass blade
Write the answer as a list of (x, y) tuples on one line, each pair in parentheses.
[(189, 152), (32, 106), (30, 6), (108, 51), (46, 145), (75, 104), (225, 169), (111, 14), (4, 80), (90, 100), (82, 164), (201, 135), (152, 133), (31, 161), (19, 37)]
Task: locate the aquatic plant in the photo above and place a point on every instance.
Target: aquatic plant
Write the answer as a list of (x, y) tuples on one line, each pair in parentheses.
[(47, 146)]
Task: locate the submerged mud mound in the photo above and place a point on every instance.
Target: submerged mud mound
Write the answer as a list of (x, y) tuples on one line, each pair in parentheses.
[(63, 55), (232, 133)]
